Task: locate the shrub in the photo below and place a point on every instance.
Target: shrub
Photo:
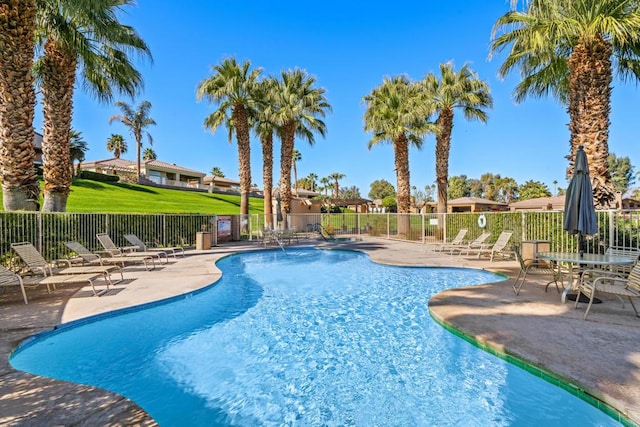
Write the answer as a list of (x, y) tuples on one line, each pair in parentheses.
[(94, 176)]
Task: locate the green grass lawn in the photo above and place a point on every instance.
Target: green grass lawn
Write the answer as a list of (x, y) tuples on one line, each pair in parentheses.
[(95, 196)]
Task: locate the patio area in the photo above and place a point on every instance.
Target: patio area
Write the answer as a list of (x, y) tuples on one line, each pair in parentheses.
[(599, 355)]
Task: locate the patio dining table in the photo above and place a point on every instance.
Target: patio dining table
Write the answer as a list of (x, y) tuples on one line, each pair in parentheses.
[(574, 258)]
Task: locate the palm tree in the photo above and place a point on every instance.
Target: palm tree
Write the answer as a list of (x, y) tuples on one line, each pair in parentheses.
[(72, 34), (20, 186), (326, 184), (232, 88), (117, 145), (77, 147), (217, 172), (300, 107), (137, 121), (336, 177), (264, 125), (396, 112), (446, 93), (312, 181), (296, 157), (568, 49), (149, 154)]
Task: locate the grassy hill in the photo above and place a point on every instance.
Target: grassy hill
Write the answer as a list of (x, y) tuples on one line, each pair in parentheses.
[(95, 196)]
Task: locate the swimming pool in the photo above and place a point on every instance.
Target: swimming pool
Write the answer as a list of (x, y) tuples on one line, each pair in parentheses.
[(306, 337)]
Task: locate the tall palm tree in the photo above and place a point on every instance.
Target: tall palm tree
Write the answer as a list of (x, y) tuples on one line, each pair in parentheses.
[(137, 121), (296, 157), (396, 112), (299, 112), (217, 172), (447, 92), (117, 145), (569, 49), (326, 184), (264, 124), (232, 88), (336, 177), (149, 154), (84, 35), (312, 181), (77, 147), (20, 186)]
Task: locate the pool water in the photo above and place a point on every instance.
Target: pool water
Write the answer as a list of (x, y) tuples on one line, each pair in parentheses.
[(305, 338)]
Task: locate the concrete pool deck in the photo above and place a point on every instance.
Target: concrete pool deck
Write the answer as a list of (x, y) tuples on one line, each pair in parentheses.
[(600, 355)]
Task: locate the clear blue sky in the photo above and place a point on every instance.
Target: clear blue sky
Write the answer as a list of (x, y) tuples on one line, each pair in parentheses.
[(349, 47)]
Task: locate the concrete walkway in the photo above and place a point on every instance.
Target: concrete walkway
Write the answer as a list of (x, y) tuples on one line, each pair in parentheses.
[(600, 355)]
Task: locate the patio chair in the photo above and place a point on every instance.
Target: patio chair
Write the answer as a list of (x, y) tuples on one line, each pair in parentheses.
[(91, 258), (478, 243), (594, 282), (499, 248), (37, 265), (535, 267), (113, 250), (142, 247)]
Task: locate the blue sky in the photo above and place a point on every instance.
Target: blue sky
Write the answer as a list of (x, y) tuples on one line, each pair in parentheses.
[(349, 47)]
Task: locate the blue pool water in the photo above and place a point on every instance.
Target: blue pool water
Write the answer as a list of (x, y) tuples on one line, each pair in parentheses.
[(305, 338)]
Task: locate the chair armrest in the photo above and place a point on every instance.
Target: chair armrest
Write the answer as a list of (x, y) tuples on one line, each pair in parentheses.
[(61, 261)]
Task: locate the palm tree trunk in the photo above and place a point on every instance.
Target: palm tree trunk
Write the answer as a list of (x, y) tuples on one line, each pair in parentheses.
[(240, 118), (401, 151), (57, 88), (17, 99), (443, 146), (267, 178), (589, 110), (286, 158)]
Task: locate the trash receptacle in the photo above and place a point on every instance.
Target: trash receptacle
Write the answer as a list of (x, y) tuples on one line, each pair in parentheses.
[(203, 240)]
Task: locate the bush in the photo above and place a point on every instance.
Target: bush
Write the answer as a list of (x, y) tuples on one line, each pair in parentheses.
[(94, 176)]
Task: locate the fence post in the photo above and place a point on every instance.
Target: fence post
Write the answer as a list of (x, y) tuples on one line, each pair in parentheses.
[(423, 228), (523, 224), (40, 231), (358, 223), (388, 226), (611, 227)]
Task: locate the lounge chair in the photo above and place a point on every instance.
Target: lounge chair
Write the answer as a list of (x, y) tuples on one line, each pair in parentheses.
[(37, 265), (498, 248), (454, 244), (86, 256), (9, 278), (113, 250), (536, 267), (135, 241), (478, 243)]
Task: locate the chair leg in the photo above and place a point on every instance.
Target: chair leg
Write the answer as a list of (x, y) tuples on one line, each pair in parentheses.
[(593, 294), (634, 307), (516, 287)]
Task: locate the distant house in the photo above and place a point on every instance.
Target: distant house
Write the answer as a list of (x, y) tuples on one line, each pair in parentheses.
[(153, 172), (471, 204), (37, 145), (557, 203), (221, 184)]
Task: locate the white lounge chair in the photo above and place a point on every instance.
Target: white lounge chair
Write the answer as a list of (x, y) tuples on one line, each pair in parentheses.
[(88, 257), (113, 250), (454, 244), (37, 265), (135, 241), (478, 243), (499, 248)]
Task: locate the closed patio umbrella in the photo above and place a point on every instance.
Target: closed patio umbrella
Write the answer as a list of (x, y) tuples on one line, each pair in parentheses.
[(579, 210)]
